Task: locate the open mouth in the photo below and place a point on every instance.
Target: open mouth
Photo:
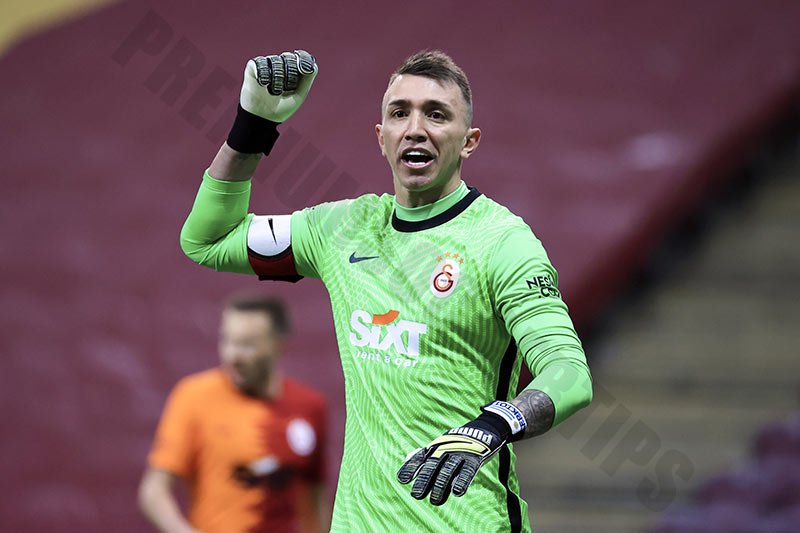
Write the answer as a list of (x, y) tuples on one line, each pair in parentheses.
[(416, 158)]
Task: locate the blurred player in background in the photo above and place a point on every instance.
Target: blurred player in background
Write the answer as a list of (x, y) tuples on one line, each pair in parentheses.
[(248, 441), (438, 295)]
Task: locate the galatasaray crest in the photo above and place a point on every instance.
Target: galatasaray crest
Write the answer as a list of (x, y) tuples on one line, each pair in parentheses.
[(445, 275)]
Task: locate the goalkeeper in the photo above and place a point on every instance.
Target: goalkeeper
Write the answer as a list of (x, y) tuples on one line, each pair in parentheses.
[(438, 293)]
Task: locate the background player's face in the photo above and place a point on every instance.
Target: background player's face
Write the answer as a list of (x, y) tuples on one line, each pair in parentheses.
[(429, 116), (248, 349)]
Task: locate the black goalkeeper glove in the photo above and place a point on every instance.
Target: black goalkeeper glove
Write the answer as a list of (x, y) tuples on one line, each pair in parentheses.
[(450, 462)]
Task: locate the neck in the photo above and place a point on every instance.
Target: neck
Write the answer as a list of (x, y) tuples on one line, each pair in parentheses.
[(430, 210), (272, 387), (409, 198)]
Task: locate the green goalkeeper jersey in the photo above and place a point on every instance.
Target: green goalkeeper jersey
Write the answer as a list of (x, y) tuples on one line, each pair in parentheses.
[(435, 309)]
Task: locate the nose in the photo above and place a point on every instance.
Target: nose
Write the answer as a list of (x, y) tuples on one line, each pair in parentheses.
[(416, 128)]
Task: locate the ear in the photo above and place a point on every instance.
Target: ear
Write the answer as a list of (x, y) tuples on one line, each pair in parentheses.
[(379, 133), (471, 142)]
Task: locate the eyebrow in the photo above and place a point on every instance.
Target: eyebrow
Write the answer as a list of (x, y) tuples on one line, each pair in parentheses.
[(427, 103)]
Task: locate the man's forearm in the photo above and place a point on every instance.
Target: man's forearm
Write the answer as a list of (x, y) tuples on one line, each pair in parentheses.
[(538, 410), (165, 515), (230, 165), (158, 503), (554, 395)]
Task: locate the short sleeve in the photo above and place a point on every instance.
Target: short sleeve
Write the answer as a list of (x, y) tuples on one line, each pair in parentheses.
[(174, 445)]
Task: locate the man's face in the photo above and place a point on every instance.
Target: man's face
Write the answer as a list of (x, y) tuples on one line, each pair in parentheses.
[(424, 132), (248, 349)]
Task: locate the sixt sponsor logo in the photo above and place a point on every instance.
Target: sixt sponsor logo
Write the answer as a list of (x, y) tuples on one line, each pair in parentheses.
[(387, 335)]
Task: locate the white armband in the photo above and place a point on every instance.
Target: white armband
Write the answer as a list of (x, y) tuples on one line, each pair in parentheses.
[(269, 236)]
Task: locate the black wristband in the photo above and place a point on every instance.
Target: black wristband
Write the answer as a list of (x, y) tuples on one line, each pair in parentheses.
[(495, 423), (252, 134)]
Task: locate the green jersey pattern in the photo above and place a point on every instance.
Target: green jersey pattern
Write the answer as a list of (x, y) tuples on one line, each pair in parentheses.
[(418, 359), (433, 319)]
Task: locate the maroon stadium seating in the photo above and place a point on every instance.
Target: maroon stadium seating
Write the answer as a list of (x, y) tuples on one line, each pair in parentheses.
[(604, 124), (762, 496)]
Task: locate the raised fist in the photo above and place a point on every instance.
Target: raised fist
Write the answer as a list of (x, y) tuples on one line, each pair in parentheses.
[(275, 86)]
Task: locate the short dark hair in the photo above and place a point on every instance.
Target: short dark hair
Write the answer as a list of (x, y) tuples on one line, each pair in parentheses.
[(439, 66), (273, 307)]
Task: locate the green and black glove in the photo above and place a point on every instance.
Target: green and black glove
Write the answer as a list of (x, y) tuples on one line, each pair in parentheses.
[(450, 462)]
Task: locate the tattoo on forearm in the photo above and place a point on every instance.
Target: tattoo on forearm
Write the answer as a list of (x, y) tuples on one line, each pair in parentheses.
[(538, 409)]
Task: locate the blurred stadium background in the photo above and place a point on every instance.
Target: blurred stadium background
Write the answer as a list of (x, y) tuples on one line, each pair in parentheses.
[(652, 146)]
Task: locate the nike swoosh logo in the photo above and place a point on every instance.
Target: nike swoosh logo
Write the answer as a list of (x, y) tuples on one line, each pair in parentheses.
[(354, 259)]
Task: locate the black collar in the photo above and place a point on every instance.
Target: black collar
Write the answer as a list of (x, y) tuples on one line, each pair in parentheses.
[(409, 226)]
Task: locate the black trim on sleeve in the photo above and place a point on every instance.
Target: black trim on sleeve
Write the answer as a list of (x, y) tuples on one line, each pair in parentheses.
[(408, 226), (503, 383)]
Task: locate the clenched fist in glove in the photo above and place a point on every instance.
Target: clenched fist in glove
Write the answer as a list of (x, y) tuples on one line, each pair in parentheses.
[(450, 462), (274, 87)]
